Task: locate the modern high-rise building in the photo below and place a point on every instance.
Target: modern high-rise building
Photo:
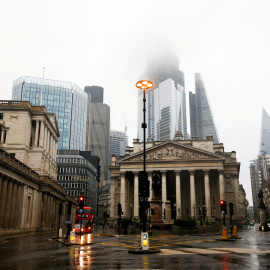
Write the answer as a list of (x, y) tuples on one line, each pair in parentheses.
[(65, 99), (98, 128), (78, 174), (165, 102), (260, 167), (265, 133), (118, 144), (201, 118)]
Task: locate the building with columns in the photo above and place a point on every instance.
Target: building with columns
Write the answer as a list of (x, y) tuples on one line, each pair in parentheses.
[(188, 178), (30, 197)]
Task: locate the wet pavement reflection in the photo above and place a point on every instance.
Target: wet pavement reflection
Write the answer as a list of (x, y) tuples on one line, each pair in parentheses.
[(104, 250)]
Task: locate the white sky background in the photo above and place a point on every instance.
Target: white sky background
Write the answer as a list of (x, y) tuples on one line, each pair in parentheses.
[(106, 43)]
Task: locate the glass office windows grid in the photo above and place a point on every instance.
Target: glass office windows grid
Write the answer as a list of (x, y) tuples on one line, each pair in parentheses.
[(57, 98)]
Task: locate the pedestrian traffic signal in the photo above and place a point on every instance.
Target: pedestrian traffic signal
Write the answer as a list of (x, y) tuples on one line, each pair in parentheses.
[(223, 207), (81, 202)]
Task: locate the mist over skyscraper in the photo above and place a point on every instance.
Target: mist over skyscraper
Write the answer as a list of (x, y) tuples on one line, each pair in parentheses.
[(166, 101), (202, 122)]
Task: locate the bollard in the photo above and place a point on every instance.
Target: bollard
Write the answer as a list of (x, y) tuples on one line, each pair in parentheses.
[(72, 237), (263, 228), (224, 234), (234, 235)]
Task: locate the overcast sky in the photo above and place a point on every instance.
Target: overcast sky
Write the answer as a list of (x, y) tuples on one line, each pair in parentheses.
[(106, 43)]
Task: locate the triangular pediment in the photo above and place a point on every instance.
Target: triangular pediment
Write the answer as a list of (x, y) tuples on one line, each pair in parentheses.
[(172, 151)]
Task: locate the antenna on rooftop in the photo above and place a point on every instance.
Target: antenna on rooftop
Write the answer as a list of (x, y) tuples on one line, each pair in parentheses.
[(42, 86)]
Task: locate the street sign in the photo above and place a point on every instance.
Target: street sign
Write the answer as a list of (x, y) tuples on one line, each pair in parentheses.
[(72, 237), (144, 241)]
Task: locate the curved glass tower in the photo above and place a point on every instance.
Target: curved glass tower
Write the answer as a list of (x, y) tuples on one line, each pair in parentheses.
[(66, 100)]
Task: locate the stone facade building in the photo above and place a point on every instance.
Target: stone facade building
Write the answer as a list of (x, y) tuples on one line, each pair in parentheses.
[(30, 197), (193, 176)]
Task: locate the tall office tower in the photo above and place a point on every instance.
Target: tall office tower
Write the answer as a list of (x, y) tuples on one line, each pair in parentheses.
[(98, 131), (166, 102), (265, 133), (201, 119), (66, 100), (118, 144)]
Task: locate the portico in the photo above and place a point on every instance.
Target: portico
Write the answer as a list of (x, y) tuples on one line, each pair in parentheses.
[(191, 178)]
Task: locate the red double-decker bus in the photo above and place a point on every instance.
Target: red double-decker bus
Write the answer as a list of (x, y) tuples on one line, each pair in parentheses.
[(87, 218)]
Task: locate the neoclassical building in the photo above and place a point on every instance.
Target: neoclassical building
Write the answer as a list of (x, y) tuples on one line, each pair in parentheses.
[(188, 178), (30, 198)]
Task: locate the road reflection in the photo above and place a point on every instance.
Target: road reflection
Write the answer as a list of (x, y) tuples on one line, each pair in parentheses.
[(81, 254)]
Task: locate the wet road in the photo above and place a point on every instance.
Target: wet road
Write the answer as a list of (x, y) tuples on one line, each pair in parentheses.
[(109, 251)]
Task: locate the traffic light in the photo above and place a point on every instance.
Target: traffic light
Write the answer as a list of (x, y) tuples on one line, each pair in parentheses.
[(81, 202), (145, 188), (223, 207), (119, 209), (231, 205), (145, 204)]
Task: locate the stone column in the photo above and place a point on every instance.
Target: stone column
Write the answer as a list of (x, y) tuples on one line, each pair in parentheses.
[(8, 201), (192, 194), (3, 200), (150, 176), (13, 207), (164, 190), (1, 178), (41, 135), (136, 195), (178, 194), (2, 135), (112, 203), (207, 193), (49, 210), (20, 192), (45, 138), (123, 194), (221, 185), (44, 210), (236, 192), (36, 133)]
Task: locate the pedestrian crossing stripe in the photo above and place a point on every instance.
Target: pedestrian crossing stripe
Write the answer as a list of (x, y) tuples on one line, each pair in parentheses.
[(210, 251)]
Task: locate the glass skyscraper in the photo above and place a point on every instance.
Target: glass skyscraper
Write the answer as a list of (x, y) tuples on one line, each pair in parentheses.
[(265, 133), (98, 128), (118, 144), (166, 102), (201, 119), (66, 100)]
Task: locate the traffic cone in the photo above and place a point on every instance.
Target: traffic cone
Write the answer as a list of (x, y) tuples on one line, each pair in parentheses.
[(224, 233)]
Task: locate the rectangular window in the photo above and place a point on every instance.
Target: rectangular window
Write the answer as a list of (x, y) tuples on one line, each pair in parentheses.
[(1, 116)]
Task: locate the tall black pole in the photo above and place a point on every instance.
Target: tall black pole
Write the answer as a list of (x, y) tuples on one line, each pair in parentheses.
[(144, 171), (144, 126)]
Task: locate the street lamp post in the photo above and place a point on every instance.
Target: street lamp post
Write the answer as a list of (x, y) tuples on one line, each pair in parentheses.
[(144, 84)]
